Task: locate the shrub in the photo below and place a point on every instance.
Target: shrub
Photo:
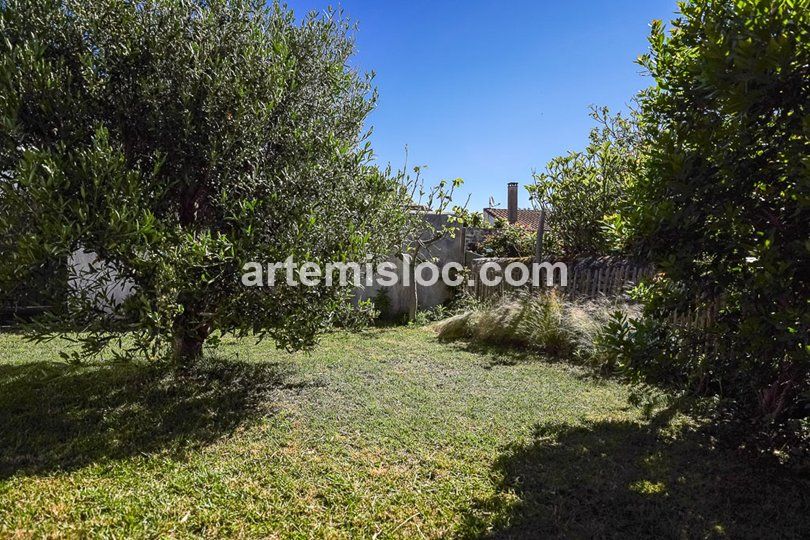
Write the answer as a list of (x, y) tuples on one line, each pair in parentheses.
[(382, 304), (641, 348), (583, 190), (507, 240), (722, 205)]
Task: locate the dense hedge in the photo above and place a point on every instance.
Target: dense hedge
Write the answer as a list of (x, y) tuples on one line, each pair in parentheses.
[(722, 204)]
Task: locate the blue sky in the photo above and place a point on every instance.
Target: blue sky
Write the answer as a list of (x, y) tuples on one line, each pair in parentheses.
[(490, 91)]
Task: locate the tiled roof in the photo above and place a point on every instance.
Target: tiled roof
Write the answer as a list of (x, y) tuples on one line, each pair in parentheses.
[(526, 218)]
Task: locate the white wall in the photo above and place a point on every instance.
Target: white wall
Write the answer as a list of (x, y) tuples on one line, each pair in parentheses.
[(89, 276)]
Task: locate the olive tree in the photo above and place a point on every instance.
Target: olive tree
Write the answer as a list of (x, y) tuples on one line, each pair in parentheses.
[(178, 140)]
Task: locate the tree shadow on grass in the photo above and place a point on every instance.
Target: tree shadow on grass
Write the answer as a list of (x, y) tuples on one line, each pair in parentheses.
[(56, 417), (503, 354), (623, 479)]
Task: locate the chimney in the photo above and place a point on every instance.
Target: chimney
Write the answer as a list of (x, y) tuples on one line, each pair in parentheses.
[(512, 202)]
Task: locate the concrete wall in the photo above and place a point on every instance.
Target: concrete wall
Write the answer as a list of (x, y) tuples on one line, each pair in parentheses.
[(87, 273), (445, 250)]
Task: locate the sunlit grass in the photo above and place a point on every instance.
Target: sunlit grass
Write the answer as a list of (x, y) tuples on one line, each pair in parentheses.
[(386, 433)]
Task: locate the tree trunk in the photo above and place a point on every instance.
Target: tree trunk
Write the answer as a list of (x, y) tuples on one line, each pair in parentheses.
[(541, 228), (189, 337), (189, 328), (538, 249), (187, 349), (413, 296), (413, 305)]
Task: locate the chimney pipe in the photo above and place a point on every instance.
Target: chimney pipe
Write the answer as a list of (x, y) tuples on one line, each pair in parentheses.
[(512, 202)]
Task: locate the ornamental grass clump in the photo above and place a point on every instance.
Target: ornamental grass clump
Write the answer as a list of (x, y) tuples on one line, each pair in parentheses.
[(547, 322)]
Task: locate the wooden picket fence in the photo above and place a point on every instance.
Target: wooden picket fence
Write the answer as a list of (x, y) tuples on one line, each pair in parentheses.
[(699, 318), (587, 278), (497, 267), (695, 327), (605, 276)]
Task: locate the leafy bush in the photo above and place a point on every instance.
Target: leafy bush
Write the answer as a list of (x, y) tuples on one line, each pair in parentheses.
[(382, 304), (430, 315), (358, 317), (640, 348), (507, 240), (583, 190), (722, 203), (466, 218)]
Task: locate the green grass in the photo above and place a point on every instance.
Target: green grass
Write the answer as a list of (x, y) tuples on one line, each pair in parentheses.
[(387, 433)]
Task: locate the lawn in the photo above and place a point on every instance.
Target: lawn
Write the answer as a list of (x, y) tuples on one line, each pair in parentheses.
[(383, 434)]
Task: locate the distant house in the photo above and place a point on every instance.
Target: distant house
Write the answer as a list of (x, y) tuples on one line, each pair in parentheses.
[(522, 217), (527, 218)]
